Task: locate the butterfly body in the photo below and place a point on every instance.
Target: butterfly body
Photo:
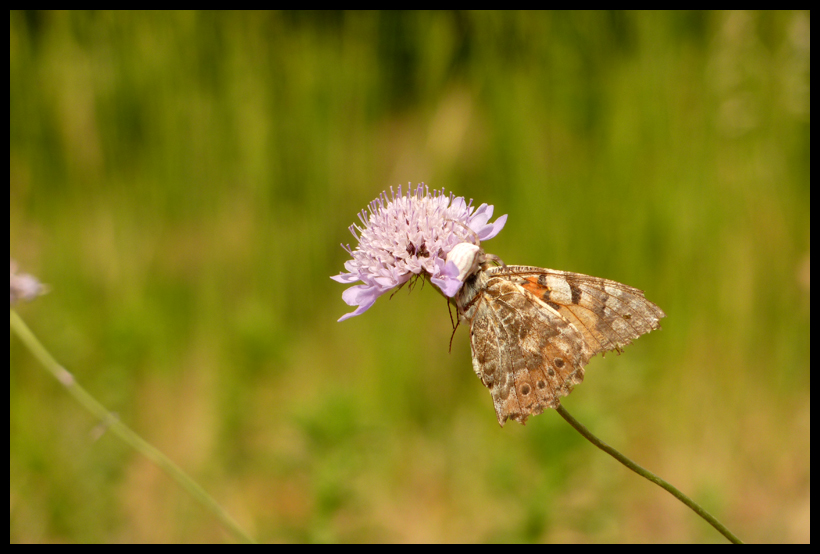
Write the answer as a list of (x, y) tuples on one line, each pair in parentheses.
[(532, 330)]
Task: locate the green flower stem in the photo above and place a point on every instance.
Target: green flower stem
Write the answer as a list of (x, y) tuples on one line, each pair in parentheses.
[(649, 475), (120, 429)]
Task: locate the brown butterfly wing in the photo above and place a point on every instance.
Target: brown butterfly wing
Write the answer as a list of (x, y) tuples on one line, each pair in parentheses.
[(608, 314), (533, 330), (527, 355)]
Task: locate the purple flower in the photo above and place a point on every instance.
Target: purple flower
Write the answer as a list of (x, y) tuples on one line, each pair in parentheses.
[(22, 285), (406, 235)]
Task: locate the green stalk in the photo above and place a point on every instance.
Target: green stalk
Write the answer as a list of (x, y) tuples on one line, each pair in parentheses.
[(121, 430), (649, 475)]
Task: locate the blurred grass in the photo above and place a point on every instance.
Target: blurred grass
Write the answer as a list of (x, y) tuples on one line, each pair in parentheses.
[(183, 181)]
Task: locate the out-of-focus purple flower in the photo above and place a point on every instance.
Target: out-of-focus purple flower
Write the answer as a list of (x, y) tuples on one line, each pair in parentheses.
[(406, 235), (23, 286)]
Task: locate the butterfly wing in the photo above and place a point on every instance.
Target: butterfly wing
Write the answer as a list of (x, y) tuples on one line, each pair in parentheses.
[(533, 330), (608, 314)]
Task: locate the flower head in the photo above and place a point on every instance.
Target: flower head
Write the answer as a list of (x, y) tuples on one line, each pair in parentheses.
[(22, 285), (406, 235)]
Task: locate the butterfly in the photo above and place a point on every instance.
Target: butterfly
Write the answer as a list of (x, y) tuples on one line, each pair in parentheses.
[(532, 330)]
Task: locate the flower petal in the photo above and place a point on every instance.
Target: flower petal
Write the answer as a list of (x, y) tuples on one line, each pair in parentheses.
[(448, 281), (345, 278), (481, 216), (358, 311), (490, 231)]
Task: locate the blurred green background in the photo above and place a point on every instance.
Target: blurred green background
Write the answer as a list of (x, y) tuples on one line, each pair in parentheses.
[(183, 182)]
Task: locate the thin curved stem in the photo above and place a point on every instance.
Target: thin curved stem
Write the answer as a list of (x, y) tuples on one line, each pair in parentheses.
[(122, 430), (649, 475)]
